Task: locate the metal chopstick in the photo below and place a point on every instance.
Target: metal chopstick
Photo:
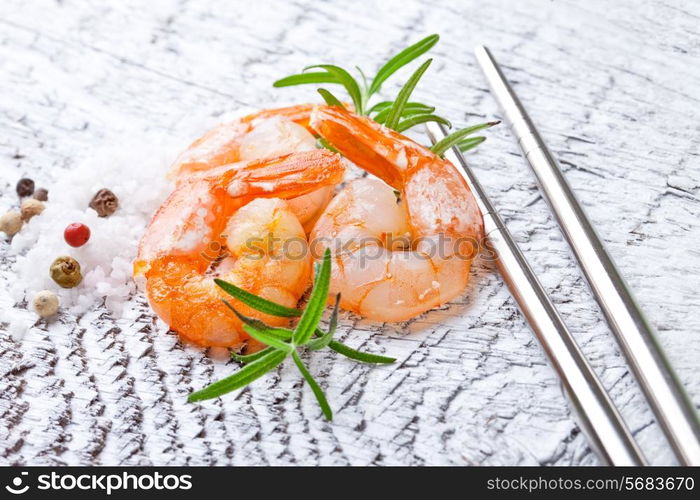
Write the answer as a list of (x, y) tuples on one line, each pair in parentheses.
[(662, 388), (597, 415)]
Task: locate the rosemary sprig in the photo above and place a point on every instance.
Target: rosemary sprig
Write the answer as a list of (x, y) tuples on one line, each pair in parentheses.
[(283, 342), (360, 92), (399, 114)]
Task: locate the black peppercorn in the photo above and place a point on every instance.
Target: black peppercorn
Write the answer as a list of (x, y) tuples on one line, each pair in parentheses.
[(25, 187), (105, 203)]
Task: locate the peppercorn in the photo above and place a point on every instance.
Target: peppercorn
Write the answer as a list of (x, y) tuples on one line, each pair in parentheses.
[(45, 303), (31, 207), (105, 203), (41, 194), (11, 222), (25, 187), (65, 271), (76, 234)]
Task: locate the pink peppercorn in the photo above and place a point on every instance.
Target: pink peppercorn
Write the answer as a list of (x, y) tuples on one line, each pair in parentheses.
[(76, 234)]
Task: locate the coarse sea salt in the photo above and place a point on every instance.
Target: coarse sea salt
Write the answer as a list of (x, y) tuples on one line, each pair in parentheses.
[(134, 167), (137, 176)]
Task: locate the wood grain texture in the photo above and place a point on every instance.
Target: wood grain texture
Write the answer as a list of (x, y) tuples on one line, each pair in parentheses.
[(615, 91)]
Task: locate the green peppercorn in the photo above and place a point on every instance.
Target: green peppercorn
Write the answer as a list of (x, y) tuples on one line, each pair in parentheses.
[(65, 271)]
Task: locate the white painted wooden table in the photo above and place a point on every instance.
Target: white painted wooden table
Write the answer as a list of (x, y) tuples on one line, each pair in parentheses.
[(615, 90)]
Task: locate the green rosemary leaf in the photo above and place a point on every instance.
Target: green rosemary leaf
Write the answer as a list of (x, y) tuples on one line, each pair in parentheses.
[(382, 115), (324, 340), (330, 99), (268, 339), (317, 269), (416, 108), (248, 358), (397, 108), (401, 59), (418, 119), (322, 143), (365, 83), (364, 88), (365, 357), (380, 106), (345, 79), (316, 304), (257, 303), (470, 143), (318, 392), (306, 78), (410, 109), (241, 378), (280, 333), (454, 138)]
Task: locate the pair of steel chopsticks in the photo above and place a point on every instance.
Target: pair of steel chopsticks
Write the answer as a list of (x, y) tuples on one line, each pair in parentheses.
[(598, 417), (595, 412), (665, 394)]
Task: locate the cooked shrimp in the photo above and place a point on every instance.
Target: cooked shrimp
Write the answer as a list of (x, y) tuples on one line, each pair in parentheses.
[(265, 134), (394, 257), (241, 210)]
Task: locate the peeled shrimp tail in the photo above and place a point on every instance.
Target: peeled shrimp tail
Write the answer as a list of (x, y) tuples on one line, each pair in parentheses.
[(438, 199), (195, 214), (377, 149), (287, 176)]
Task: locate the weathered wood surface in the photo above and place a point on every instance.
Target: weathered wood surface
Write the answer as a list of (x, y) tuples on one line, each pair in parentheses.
[(616, 91)]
